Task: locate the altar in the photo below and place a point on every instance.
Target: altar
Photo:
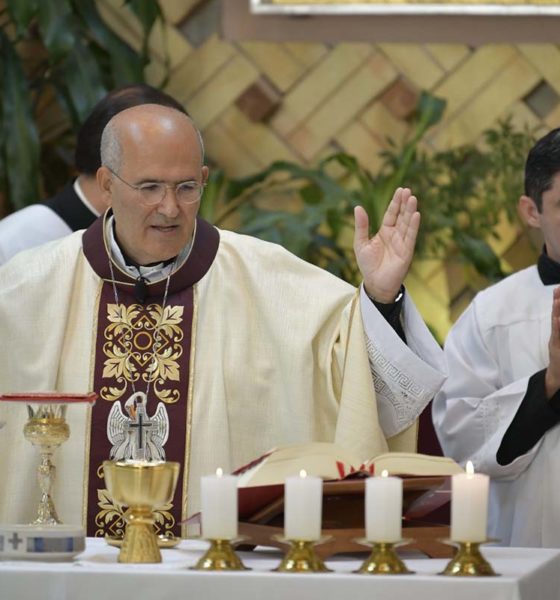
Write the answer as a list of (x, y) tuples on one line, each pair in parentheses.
[(525, 574)]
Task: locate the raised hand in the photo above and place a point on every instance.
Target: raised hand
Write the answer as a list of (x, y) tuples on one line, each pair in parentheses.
[(385, 258), (552, 376)]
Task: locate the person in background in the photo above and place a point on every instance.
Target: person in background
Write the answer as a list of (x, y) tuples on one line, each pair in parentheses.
[(79, 202), (500, 406)]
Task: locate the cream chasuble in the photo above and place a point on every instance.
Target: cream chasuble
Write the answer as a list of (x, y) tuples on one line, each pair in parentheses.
[(261, 349)]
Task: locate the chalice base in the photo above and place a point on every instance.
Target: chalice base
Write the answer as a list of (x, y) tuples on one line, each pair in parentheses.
[(383, 560), (469, 562), (220, 557), (140, 543), (302, 558), (46, 513)]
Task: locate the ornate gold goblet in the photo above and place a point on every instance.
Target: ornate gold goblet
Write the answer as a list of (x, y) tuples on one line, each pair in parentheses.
[(46, 429), (142, 486)]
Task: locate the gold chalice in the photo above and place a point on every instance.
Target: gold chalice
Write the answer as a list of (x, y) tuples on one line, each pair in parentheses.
[(46, 429), (142, 486)]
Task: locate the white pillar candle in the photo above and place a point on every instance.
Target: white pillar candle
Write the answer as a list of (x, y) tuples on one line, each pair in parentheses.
[(218, 499), (469, 506), (303, 504), (383, 508)]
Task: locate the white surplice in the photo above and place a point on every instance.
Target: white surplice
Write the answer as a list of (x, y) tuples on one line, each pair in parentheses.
[(38, 224), (499, 342), (279, 356)]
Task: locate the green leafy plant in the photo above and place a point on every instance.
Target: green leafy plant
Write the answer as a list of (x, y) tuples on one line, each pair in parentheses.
[(58, 59), (462, 192), (466, 191)]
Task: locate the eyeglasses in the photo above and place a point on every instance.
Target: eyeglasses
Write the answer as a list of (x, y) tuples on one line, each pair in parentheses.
[(153, 192)]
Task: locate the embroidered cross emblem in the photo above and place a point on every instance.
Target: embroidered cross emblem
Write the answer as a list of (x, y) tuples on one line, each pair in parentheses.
[(137, 426)]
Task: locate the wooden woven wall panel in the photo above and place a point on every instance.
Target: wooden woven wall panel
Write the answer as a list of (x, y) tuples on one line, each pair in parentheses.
[(465, 82), (221, 90), (226, 151), (176, 11), (258, 140), (357, 140), (415, 63), (545, 58), (448, 56), (199, 67), (321, 81), (383, 125), (521, 116), (552, 120), (341, 107), (276, 62), (506, 87), (306, 53)]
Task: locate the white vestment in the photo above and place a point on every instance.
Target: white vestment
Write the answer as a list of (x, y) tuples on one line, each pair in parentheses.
[(278, 356), (499, 342), (31, 226), (38, 224)]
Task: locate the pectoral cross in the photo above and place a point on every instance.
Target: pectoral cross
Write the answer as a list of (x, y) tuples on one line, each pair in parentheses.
[(137, 426)]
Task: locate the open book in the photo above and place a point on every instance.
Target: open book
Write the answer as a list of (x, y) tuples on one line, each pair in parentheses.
[(331, 462)]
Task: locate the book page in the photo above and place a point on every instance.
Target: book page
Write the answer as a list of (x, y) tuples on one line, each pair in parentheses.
[(317, 458), (409, 463)]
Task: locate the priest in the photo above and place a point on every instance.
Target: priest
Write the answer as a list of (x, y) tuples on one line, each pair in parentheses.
[(226, 344), (500, 407)]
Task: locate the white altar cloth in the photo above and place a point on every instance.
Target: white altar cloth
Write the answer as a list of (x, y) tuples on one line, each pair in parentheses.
[(526, 574)]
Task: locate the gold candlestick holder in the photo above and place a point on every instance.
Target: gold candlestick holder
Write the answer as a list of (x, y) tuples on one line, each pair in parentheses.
[(142, 486), (301, 557), (220, 557), (383, 559), (468, 561), (46, 429)]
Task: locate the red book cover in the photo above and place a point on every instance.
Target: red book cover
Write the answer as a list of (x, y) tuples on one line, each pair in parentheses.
[(49, 397)]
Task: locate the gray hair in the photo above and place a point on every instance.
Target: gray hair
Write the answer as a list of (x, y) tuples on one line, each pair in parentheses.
[(111, 148)]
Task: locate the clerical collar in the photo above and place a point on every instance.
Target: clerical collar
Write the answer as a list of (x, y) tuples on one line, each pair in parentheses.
[(149, 273), (97, 248), (549, 269)]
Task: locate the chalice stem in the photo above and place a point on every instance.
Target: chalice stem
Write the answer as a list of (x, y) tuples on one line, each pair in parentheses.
[(46, 513), (46, 429)]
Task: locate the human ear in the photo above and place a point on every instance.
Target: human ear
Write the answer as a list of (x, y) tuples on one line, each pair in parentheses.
[(105, 183), (529, 211), (205, 173)]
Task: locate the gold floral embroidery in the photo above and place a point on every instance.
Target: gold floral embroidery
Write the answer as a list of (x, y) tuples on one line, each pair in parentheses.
[(110, 519), (128, 348)]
